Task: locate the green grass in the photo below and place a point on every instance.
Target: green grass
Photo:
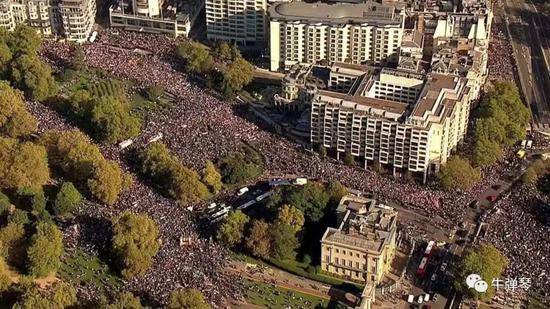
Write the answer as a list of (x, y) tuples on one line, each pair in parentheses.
[(82, 268), (270, 296), (140, 106)]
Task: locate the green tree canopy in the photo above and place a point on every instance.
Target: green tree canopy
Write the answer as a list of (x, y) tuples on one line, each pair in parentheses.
[(67, 199), (44, 252), (238, 167), (170, 175), (34, 77), (196, 57), (285, 241), (135, 242), (22, 165), (486, 152), (211, 177), (78, 62), (5, 280), (222, 51), (12, 238), (485, 261), (457, 173), (231, 231), (238, 74), (292, 216), (111, 121), (23, 40), (188, 299), (15, 120), (259, 240), (126, 301)]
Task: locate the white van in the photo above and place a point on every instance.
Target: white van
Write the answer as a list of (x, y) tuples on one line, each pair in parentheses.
[(242, 191)]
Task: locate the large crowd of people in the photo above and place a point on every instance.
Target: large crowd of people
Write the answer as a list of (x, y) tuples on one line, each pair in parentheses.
[(500, 62), (517, 228), (200, 126)]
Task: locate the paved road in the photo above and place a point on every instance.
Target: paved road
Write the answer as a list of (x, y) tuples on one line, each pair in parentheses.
[(528, 31)]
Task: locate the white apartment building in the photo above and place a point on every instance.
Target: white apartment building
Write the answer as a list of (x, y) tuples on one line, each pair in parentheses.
[(397, 119), (239, 21), (77, 18), (355, 33), (71, 19)]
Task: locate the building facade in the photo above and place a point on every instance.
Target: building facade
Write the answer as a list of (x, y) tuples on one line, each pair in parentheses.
[(70, 19), (240, 21), (396, 119), (155, 16), (363, 245), (345, 32)]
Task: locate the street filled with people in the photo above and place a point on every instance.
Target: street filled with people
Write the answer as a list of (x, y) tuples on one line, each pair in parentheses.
[(201, 126)]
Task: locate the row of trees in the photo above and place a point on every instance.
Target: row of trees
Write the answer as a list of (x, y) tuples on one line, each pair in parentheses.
[(535, 171), (502, 119), (502, 122), (20, 64), (278, 239), (76, 158), (227, 69), (175, 179)]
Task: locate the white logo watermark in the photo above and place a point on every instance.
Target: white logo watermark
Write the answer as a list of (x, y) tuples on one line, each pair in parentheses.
[(474, 281)]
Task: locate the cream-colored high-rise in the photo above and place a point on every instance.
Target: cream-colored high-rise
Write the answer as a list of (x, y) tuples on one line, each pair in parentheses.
[(317, 32), (77, 17), (239, 21)]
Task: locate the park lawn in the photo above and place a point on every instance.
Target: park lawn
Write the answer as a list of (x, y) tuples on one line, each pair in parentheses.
[(269, 296), (80, 267)]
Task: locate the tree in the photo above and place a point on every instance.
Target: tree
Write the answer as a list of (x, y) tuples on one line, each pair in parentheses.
[(348, 159), (111, 121), (337, 191), (486, 152), (126, 301), (67, 199), (34, 77), (170, 175), (222, 51), (235, 169), (485, 261), (211, 177), (188, 299), (154, 93), (106, 182), (44, 252), (259, 240), (292, 216), (64, 295), (78, 62), (135, 242), (322, 151), (457, 173), (23, 40), (196, 57), (5, 56), (5, 280), (530, 176), (12, 238), (15, 120), (311, 199), (22, 165), (231, 232), (5, 203), (237, 75), (285, 242)]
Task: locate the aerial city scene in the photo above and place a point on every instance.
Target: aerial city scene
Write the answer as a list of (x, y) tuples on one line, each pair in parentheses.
[(275, 154)]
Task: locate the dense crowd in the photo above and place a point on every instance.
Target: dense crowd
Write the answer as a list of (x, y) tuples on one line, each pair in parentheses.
[(200, 126), (518, 229), (500, 63)]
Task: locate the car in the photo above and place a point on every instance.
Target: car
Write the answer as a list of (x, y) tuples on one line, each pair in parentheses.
[(420, 299), (242, 191), (492, 198), (435, 297)]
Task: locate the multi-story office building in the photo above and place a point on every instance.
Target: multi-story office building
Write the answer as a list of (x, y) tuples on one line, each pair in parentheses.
[(239, 21), (398, 119), (356, 33), (71, 19), (363, 245), (155, 16)]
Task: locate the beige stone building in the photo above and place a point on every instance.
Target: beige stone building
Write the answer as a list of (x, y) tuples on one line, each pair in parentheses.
[(356, 33), (362, 246), (240, 21)]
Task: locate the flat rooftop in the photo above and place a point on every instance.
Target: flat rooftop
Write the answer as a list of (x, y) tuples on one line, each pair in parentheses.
[(338, 13)]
